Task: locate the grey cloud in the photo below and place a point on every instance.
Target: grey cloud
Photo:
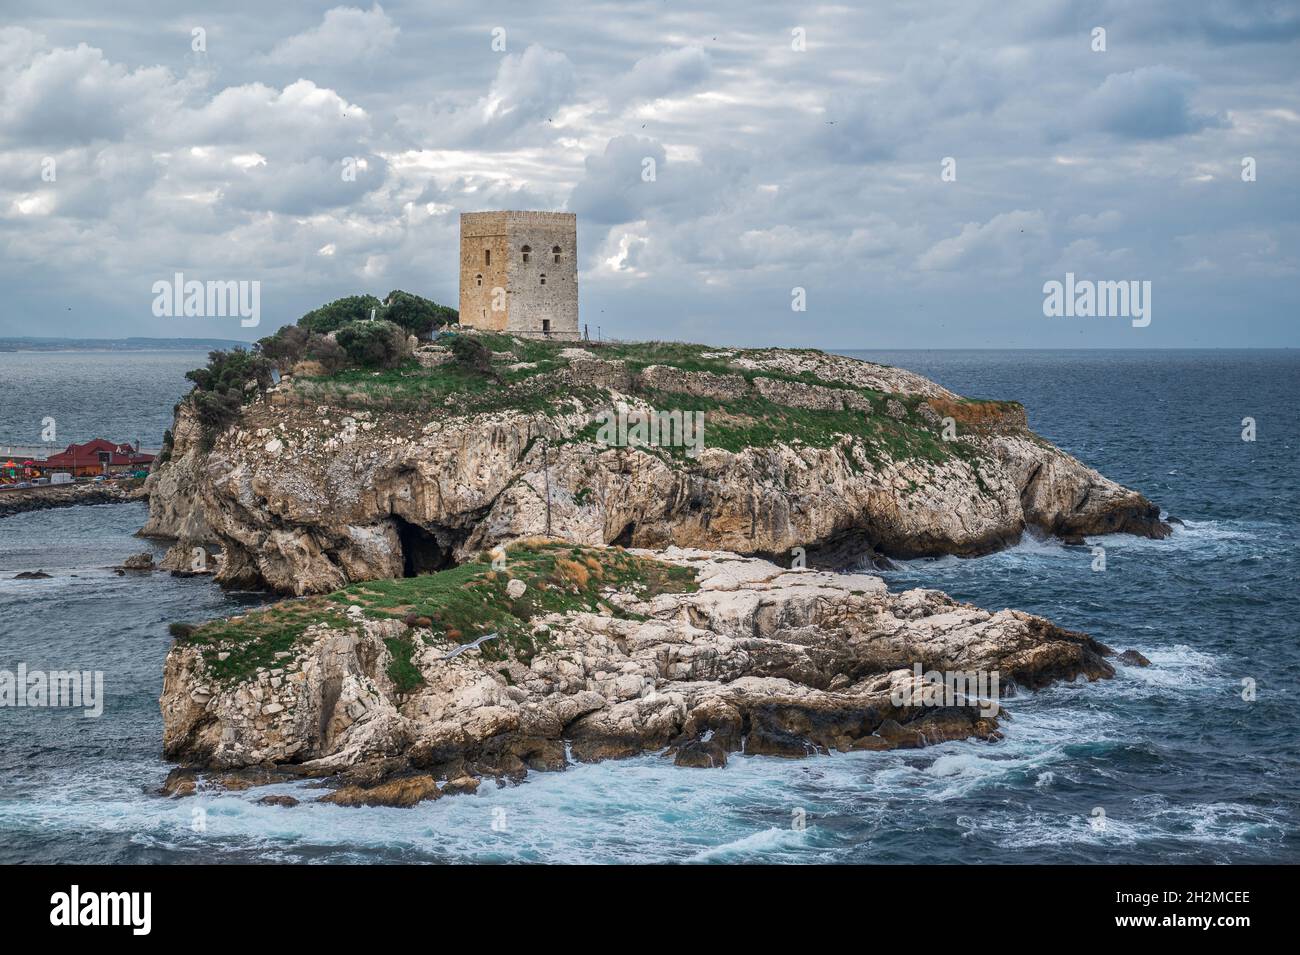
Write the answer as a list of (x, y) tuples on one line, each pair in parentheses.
[(1152, 102), (612, 189), (1006, 243), (526, 91), (774, 168), (467, 196), (663, 73), (860, 129)]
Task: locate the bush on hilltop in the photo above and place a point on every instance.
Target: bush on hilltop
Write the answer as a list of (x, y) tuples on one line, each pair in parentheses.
[(471, 354), (373, 344), (335, 337)]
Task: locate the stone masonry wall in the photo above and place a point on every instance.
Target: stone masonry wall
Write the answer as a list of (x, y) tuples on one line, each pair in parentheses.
[(533, 307), (480, 233)]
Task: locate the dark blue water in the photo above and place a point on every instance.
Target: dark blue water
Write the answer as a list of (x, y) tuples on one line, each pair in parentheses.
[(121, 396), (1175, 762)]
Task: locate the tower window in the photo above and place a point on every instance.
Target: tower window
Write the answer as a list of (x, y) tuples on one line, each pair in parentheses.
[(546, 326), (527, 251), (478, 280), (543, 278), (555, 251), (487, 256)]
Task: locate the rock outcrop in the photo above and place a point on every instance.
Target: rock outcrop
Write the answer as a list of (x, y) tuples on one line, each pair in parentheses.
[(321, 484), (738, 655), (47, 496)]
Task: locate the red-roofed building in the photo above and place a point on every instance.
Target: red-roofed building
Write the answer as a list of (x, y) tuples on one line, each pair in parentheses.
[(97, 457)]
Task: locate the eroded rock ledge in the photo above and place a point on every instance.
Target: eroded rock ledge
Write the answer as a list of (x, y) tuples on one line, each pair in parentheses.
[(326, 482), (602, 653)]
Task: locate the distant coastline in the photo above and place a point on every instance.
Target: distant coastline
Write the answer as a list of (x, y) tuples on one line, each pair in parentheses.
[(117, 344)]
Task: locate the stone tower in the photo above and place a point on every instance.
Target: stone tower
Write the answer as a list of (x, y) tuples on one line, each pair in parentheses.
[(519, 273)]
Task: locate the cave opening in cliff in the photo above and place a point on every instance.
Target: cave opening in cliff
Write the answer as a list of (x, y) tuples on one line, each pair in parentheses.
[(422, 552)]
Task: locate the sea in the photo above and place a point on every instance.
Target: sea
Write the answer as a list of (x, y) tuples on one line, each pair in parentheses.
[(1195, 759)]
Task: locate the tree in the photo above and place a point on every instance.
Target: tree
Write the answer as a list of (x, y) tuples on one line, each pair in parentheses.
[(373, 344), (341, 311), (232, 369), (328, 352), (416, 314)]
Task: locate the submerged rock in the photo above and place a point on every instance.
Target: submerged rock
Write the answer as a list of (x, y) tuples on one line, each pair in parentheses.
[(1133, 658), (400, 792), (138, 562), (280, 800)]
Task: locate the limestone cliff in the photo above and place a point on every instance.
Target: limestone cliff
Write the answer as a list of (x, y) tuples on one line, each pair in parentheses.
[(323, 482), (598, 653)]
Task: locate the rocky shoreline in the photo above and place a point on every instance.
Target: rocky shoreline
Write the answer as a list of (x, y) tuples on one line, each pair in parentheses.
[(699, 655), (66, 495)]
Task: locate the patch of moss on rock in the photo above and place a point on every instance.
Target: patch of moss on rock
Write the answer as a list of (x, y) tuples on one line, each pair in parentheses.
[(459, 605)]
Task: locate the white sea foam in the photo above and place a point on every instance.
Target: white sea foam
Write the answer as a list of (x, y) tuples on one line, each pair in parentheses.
[(1130, 824), (755, 846)]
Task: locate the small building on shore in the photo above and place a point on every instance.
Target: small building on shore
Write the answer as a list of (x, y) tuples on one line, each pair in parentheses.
[(96, 457)]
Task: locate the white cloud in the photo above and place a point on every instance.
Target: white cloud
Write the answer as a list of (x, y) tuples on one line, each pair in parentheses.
[(66, 96), (347, 34), (1007, 242), (528, 88)]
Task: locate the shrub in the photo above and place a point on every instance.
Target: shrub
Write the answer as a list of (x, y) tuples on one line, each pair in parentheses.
[(285, 347), (327, 352), (169, 441), (221, 388), (216, 412), (471, 354), (373, 344), (232, 369), (182, 631)]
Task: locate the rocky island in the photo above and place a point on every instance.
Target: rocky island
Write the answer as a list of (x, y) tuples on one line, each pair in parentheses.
[(635, 596), (324, 481)]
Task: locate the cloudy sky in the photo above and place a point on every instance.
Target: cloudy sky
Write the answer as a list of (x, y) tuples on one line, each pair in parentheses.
[(127, 155)]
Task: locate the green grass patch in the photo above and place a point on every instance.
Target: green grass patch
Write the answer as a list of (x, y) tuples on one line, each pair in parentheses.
[(751, 421), (460, 605), (253, 640), (402, 670)]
